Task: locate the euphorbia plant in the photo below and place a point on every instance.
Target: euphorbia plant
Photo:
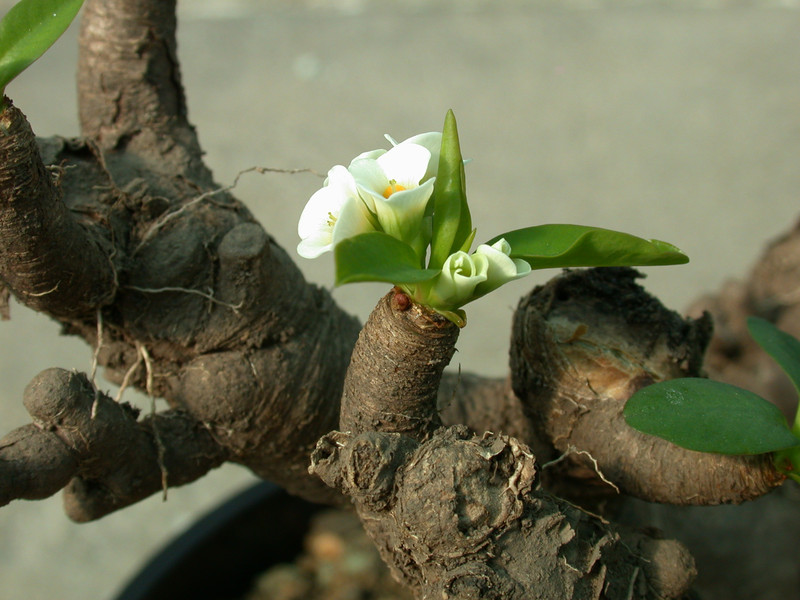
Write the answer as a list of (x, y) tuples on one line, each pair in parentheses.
[(401, 216), (711, 416), (27, 31)]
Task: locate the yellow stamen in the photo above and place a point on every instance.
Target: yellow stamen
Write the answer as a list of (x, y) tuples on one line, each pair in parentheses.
[(331, 219), (392, 188)]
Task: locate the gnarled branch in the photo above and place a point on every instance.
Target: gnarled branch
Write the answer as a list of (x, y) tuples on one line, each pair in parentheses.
[(51, 261), (130, 95), (582, 345)]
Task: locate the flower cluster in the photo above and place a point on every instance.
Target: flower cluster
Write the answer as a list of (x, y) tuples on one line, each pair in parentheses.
[(390, 192), (380, 191), (401, 216)]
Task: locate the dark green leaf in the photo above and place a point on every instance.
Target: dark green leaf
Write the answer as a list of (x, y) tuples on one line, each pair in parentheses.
[(452, 222), (709, 416), (377, 256), (546, 246), (782, 347), (28, 30)]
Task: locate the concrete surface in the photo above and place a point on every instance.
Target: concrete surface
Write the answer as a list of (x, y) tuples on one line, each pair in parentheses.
[(665, 120)]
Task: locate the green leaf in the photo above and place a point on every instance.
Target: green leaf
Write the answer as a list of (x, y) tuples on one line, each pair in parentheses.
[(781, 346), (28, 30), (377, 256), (709, 416), (784, 349), (452, 222), (547, 246)]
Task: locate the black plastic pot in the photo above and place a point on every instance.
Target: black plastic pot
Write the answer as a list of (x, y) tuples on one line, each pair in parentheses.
[(219, 557)]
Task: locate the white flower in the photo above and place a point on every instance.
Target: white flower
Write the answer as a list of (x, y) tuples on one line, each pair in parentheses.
[(333, 213), (456, 283), (502, 268), (393, 187), (383, 190)]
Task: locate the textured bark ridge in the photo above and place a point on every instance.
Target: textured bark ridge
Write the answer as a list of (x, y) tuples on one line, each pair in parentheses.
[(582, 345), (52, 261), (462, 516), (397, 364)]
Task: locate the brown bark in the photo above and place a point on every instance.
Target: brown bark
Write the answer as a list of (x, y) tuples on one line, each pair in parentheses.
[(459, 515), (83, 438), (234, 338), (463, 516), (582, 345), (49, 259), (130, 97), (394, 374)]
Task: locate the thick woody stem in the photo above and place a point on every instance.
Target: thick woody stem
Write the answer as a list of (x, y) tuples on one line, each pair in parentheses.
[(112, 459), (51, 262), (129, 85), (395, 369), (582, 345)]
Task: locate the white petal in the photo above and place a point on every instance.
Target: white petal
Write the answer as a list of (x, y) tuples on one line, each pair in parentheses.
[(325, 214), (502, 268), (314, 245), (368, 174), (503, 246), (406, 164), (433, 142), (352, 220), (316, 216), (373, 154)]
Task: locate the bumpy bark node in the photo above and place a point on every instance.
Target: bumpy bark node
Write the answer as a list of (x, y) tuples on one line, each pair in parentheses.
[(463, 516), (582, 345)]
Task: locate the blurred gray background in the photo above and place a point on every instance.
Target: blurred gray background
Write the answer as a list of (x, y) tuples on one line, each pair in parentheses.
[(671, 120)]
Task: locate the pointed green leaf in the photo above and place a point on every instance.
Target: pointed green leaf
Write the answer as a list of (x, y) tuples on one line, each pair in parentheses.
[(452, 222), (709, 416), (28, 30), (547, 246), (781, 346), (377, 256)]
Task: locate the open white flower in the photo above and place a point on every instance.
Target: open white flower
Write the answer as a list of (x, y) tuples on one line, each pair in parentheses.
[(393, 187), (333, 213), (432, 142), (383, 190)]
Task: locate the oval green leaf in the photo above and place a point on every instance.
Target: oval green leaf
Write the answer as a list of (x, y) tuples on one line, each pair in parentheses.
[(377, 256), (556, 245), (709, 416), (28, 30)]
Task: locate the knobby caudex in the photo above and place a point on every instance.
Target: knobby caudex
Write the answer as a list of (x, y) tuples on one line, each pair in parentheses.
[(124, 238)]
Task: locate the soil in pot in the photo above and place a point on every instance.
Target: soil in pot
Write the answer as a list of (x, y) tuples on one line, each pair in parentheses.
[(339, 562)]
